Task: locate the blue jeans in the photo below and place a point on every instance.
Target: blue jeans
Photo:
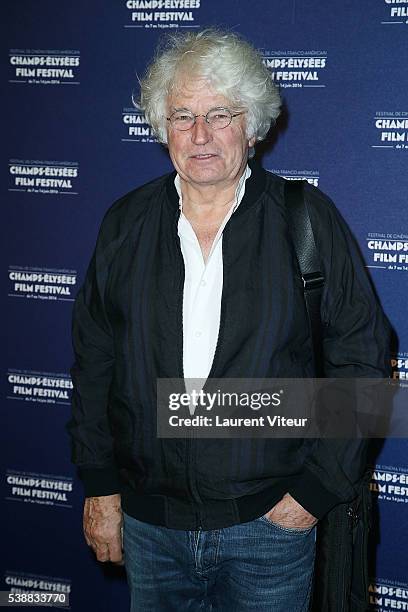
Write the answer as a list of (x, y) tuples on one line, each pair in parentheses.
[(252, 566)]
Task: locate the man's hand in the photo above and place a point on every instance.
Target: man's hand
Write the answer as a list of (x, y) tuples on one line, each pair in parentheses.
[(102, 524), (289, 513)]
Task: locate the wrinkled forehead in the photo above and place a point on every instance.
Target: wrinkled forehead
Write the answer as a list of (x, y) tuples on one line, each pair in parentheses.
[(187, 91)]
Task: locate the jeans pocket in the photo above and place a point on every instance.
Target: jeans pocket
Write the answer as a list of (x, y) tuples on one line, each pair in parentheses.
[(292, 530)]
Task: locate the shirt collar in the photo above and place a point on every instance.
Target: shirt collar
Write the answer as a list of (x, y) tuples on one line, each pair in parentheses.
[(239, 192)]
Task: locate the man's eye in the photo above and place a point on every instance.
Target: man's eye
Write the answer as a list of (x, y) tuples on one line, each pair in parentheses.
[(219, 117), (181, 118)]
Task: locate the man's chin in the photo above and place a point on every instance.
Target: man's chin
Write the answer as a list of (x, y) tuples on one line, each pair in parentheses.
[(204, 176)]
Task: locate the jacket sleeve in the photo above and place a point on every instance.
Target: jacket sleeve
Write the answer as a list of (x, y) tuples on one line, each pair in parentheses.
[(92, 372), (356, 345)]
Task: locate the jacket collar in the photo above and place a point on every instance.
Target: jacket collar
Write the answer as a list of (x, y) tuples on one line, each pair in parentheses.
[(254, 187)]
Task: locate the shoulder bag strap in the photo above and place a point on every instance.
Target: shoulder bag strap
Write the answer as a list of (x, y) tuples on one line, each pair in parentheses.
[(308, 260)]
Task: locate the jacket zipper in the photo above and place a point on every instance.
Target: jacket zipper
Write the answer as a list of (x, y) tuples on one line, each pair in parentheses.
[(190, 476), (189, 452), (222, 316)]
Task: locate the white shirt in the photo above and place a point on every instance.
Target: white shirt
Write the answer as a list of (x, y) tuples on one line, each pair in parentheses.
[(202, 290)]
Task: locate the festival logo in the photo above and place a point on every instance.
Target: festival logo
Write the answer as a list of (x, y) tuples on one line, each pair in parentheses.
[(43, 177), (399, 364), (57, 589), (391, 130), (311, 176), (296, 69), (42, 283), (162, 14), (385, 595), (39, 387), (390, 484), (396, 12), (44, 67), (135, 127), (40, 489), (387, 251)]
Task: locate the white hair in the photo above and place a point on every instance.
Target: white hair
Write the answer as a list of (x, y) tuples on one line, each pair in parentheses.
[(231, 66)]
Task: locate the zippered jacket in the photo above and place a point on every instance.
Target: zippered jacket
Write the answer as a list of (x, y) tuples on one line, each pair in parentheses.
[(127, 332)]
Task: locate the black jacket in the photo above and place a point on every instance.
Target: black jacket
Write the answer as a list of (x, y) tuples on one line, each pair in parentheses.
[(127, 332)]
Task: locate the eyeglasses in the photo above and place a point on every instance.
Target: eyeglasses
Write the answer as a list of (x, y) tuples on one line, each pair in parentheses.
[(217, 118)]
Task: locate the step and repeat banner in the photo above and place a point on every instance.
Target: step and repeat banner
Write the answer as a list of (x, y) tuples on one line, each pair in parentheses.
[(73, 142)]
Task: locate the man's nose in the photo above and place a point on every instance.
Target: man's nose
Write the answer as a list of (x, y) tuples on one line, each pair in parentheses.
[(201, 132)]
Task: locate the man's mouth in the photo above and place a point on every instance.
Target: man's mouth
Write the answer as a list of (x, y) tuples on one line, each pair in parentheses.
[(203, 156)]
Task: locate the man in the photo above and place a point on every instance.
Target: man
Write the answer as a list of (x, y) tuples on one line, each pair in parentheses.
[(194, 275)]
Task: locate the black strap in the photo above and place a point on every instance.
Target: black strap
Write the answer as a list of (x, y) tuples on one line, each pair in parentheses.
[(308, 260), (341, 566)]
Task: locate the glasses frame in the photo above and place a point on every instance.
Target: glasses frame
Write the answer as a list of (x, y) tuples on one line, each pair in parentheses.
[(195, 117)]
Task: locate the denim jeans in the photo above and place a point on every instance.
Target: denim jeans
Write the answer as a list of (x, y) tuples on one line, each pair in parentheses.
[(257, 565)]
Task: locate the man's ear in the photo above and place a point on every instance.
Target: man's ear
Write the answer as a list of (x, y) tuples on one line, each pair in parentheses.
[(252, 141)]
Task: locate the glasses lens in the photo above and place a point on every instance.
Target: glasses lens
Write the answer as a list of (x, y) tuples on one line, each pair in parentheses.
[(182, 120), (219, 118)]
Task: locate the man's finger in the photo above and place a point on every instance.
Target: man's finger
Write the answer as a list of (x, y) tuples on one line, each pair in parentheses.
[(87, 540), (92, 536), (102, 552), (115, 550)]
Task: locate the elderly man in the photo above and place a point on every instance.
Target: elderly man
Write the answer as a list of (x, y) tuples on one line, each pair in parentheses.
[(194, 275)]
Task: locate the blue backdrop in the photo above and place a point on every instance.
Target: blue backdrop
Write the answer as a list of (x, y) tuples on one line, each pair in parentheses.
[(73, 142)]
